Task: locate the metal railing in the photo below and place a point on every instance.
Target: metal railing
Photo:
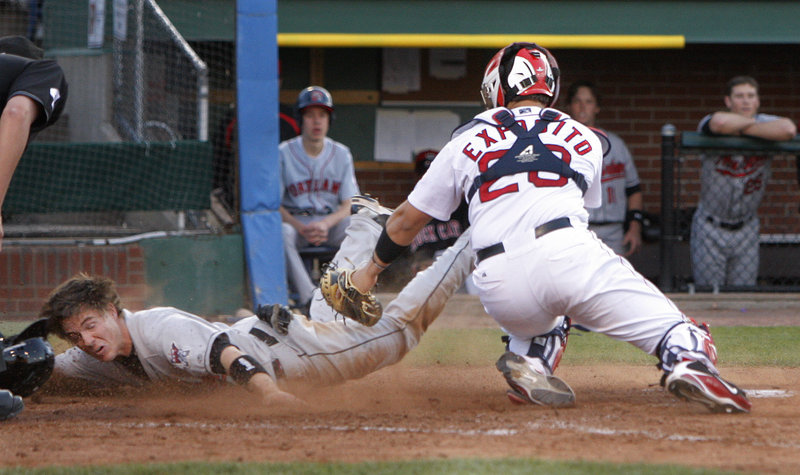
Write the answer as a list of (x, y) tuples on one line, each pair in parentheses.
[(776, 274)]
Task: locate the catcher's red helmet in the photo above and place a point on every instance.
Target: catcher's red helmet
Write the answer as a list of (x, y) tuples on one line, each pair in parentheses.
[(314, 96), (520, 69)]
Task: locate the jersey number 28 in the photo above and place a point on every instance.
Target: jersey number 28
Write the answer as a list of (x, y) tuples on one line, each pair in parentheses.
[(533, 177)]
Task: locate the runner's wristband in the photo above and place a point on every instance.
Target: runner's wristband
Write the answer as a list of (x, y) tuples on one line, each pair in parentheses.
[(243, 368)]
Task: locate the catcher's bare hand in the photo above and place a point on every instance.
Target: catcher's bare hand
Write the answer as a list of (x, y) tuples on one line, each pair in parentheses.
[(342, 295)]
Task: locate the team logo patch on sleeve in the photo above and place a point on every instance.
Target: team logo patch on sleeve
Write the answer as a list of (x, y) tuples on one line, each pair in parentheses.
[(179, 357)]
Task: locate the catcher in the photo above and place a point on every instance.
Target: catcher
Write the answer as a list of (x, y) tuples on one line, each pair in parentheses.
[(266, 352), (26, 363)]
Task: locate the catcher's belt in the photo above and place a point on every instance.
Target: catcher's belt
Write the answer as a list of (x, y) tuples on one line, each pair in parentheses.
[(541, 230)]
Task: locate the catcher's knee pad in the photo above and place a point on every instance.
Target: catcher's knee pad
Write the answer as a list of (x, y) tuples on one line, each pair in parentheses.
[(687, 341), (549, 347)]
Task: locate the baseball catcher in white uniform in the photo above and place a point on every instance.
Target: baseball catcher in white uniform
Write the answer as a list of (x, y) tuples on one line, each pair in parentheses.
[(265, 352), (526, 171)]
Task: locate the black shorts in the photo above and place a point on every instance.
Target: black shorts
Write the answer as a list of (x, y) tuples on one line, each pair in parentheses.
[(41, 80)]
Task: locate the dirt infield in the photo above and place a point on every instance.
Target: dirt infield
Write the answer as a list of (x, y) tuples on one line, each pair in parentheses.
[(412, 413), (406, 412)]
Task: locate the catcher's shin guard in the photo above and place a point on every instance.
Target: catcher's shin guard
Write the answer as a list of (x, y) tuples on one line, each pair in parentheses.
[(547, 348), (529, 386), (687, 341), (694, 382)]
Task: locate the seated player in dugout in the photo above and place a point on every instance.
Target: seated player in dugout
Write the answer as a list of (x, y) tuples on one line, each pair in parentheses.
[(270, 352), (317, 181)]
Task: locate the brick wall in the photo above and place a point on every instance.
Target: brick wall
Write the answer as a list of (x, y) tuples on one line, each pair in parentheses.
[(389, 182), (29, 273), (643, 90)]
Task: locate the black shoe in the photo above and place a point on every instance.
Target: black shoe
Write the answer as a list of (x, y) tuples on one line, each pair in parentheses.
[(277, 316)]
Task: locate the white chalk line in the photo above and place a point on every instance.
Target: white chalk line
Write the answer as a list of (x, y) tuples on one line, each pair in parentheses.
[(532, 426), (768, 393)]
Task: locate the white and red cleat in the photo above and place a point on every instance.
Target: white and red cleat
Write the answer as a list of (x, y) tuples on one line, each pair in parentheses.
[(692, 381)]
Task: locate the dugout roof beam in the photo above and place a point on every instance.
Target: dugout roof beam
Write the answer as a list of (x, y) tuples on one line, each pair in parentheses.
[(489, 23)]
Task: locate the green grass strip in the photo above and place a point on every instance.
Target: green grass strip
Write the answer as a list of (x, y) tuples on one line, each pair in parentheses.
[(435, 467), (739, 346)]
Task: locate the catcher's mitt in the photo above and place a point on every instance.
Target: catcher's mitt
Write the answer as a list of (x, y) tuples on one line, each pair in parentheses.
[(340, 294)]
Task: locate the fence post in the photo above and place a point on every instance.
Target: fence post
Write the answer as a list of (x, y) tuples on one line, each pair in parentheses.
[(668, 236)]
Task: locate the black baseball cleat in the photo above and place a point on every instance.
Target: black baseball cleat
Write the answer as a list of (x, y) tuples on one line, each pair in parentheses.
[(374, 210), (529, 386), (277, 316), (10, 405), (692, 381)]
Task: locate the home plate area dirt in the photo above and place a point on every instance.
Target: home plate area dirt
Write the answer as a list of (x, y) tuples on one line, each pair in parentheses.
[(435, 412)]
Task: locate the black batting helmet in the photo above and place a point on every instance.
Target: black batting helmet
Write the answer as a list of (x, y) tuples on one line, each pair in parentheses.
[(314, 96), (26, 365)]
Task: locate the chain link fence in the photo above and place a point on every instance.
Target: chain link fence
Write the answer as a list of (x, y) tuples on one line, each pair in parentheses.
[(730, 217)]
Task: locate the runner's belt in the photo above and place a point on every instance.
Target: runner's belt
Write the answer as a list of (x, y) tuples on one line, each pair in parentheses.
[(270, 340), (540, 231)]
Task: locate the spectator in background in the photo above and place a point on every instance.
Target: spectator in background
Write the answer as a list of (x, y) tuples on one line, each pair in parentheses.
[(318, 179), (725, 227), (618, 222), (33, 92)]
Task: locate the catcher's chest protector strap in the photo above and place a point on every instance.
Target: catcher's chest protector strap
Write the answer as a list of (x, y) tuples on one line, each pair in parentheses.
[(528, 154)]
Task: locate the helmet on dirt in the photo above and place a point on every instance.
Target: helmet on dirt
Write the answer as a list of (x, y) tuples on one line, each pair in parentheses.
[(26, 365), (520, 69), (314, 96)]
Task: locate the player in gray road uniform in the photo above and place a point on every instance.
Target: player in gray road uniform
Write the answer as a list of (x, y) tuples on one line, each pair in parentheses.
[(725, 227), (622, 195), (115, 346), (318, 180)]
